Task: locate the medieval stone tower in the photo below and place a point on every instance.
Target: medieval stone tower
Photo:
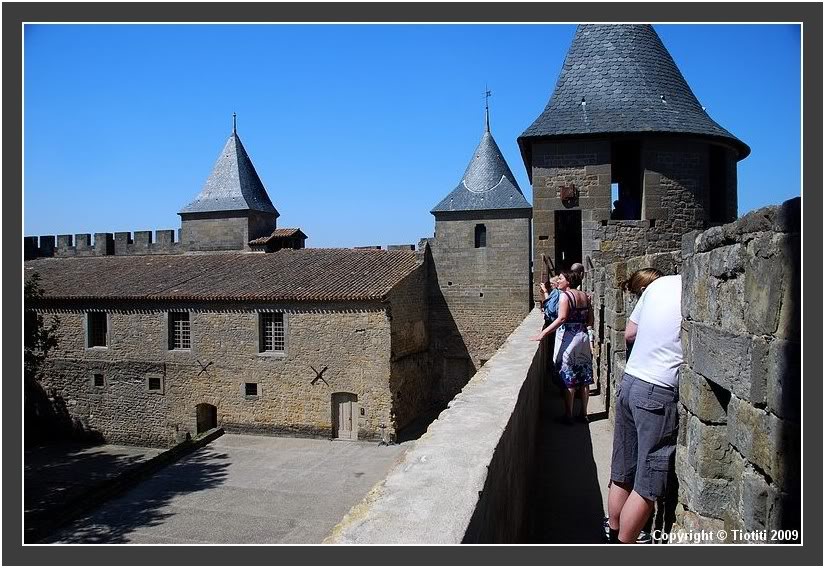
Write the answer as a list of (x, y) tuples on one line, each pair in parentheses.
[(480, 278), (624, 159), (233, 207)]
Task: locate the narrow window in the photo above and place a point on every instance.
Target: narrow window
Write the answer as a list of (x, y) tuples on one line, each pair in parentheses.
[(97, 331), (718, 185), (272, 332), (179, 331), (251, 389), (97, 379), (627, 175), (481, 236)]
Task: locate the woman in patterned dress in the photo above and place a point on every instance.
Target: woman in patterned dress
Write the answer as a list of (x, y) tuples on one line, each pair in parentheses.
[(572, 354)]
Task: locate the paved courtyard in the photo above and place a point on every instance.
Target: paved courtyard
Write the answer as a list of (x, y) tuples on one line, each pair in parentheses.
[(242, 489)]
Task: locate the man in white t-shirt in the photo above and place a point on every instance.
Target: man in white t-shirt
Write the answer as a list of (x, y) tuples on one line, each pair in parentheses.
[(644, 440)]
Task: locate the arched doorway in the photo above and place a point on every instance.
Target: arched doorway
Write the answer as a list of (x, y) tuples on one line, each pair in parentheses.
[(345, 416), (207, 417)]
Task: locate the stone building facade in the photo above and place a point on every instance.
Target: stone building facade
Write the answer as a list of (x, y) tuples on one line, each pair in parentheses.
[(356, 348), (624, 155)]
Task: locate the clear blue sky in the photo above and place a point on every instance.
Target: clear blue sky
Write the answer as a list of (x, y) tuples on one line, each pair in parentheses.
[(357, 131)]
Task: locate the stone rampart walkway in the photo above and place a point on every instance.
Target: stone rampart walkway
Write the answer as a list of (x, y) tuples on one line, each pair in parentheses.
[(573, 472)]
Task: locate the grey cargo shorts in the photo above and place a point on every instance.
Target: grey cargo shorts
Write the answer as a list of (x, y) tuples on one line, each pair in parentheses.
[(644, 436)]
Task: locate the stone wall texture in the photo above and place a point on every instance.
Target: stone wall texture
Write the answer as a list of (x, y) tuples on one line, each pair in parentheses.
[(675, 179), (353, 341), (738, 455), (468, 479), (477, 296)]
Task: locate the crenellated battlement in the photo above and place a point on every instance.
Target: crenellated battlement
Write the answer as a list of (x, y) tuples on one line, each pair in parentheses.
[(104, 244)]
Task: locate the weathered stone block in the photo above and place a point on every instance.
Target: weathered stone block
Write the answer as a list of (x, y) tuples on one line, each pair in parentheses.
[(788, 218), (784, 379), (689, 244), (616, 320), (710, 239), (695, 288), (615, 274), (761, 503), (763, 291), (727, 360), (765, 440), (694, 523), (706, 496), (726, 304), (790, 319), (708, 450), (704, 399)]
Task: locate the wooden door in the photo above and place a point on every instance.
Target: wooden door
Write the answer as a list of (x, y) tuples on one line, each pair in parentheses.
[(345, 416)]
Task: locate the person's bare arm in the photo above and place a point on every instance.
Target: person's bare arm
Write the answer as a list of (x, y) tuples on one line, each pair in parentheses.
[(630, 331), (564, 310)]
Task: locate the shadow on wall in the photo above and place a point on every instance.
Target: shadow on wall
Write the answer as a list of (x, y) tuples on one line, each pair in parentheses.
[(451, 365), (47, 419), (143, 506), (790, 369)]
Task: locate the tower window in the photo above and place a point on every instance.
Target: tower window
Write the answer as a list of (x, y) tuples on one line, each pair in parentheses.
[(626, 183), (481, 236), (718, 185)]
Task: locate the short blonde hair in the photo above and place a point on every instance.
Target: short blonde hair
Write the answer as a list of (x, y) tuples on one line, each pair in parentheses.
[(641, 279)]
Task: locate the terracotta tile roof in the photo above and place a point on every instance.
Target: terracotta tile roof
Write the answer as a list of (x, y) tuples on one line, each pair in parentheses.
[(278, 234), (305, 274)]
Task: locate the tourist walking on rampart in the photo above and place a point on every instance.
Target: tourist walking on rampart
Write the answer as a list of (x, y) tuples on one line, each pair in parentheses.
[(572, 355), (644, 439)]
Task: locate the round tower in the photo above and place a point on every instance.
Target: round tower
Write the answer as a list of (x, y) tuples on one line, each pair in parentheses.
[(624, 160)]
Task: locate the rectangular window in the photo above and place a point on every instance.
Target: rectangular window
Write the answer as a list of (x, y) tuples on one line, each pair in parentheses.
[(251, 389), (97, 332), (154, 383), (98, 380), (179, 331), (481, 236), (272, 332)]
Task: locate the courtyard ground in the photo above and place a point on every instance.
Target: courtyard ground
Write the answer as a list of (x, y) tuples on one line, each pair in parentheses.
[(242, 489)]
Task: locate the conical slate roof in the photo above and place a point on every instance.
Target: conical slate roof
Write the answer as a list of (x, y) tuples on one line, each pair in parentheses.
[(621, 79), (233, 185), (487, 183)]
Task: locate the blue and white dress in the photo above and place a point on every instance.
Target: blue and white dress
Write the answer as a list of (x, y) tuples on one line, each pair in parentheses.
[(574, 360)]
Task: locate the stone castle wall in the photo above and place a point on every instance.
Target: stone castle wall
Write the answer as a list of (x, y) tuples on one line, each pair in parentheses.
[(123, 243), (738, 455), (353, 341), (739, 452), (675, 196), (478, 296), (411, 381)]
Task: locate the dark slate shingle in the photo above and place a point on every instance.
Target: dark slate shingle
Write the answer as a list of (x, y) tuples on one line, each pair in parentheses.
[(233, 185), (629, 83), (487, 183)]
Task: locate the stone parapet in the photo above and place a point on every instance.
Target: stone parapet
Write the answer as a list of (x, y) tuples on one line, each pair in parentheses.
[(468, 478)]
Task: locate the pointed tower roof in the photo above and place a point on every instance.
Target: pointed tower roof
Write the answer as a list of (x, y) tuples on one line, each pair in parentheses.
[(233, 185), (487, 183), (621, 79)]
